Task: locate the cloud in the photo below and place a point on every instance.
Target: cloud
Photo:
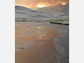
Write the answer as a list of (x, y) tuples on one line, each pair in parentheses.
[(34, 3)]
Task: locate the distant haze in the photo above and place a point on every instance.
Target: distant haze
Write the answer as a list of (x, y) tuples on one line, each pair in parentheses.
[(36, 3)]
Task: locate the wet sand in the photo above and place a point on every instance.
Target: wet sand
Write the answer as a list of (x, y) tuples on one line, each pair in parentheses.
[(34, 42)]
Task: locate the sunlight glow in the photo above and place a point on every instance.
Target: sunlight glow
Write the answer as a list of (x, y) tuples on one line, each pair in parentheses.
[(40, 6), (63, 3)]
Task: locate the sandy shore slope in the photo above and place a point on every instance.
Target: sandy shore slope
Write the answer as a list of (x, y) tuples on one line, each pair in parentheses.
[(34, 42)]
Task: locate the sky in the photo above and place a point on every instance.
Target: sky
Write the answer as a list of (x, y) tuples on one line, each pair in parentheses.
[(36, 3)]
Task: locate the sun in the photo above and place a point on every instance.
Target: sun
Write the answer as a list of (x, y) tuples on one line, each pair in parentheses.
[(40, 6), (63, 3)]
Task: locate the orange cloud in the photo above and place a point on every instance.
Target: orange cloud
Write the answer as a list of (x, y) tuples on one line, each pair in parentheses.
[(34, 3)]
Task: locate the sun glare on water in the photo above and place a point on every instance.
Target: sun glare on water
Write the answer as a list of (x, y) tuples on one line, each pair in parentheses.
[(63, 3), (40, 6)]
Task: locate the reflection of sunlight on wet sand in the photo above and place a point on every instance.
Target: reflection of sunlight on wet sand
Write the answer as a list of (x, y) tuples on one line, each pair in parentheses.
[(38, 30), (41, 34), (39, 27)]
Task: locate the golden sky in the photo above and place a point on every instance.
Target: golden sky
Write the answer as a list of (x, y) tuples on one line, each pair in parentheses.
[(36, 3)]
